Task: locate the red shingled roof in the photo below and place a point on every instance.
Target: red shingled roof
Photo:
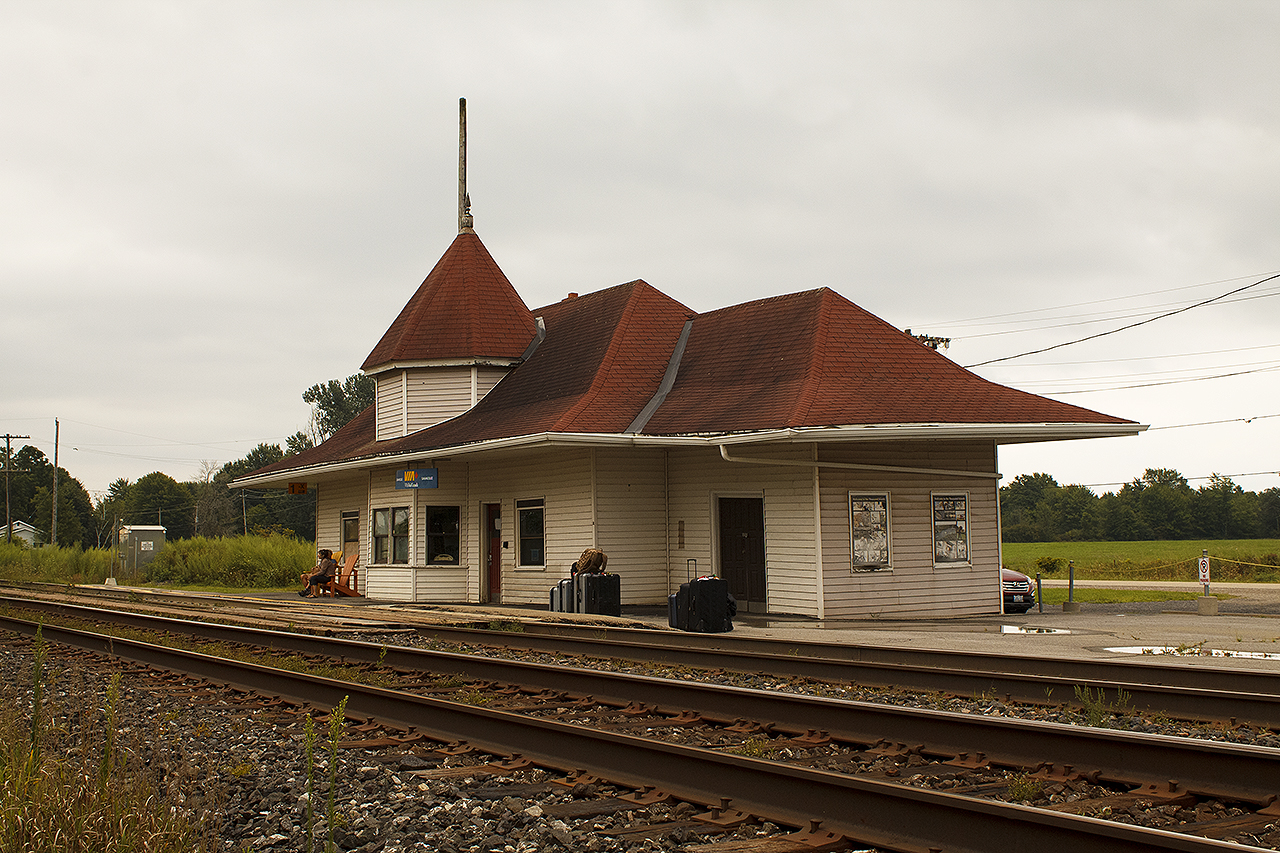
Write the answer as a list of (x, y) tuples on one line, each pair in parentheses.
[(811, 359), (466, 308), (815, 359)]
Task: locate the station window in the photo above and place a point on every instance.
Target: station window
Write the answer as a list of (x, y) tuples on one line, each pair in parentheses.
[(950, 529), (391, 535), (531, 523), (443, 535), (869, 531)]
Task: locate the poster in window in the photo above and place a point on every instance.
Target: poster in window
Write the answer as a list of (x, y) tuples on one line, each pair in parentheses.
[(950, 529), (869, 523)]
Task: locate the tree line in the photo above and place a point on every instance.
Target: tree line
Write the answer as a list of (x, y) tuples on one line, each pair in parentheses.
[(203, 506), (1158, 505)]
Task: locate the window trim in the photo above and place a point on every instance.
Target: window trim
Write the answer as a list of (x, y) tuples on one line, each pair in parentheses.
[(886, 564), (526, 505), (428, 557), (963, 523), (391, 537)]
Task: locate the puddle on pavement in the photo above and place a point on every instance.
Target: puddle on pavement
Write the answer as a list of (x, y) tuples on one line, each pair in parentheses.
[(1192, 652), (1021, 629)]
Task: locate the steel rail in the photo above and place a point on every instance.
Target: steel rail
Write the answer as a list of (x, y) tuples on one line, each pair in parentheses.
[(1214, 769), (879, 813), (1237, 695)]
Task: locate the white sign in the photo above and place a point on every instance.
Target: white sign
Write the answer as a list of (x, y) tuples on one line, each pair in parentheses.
[(1204, 570)]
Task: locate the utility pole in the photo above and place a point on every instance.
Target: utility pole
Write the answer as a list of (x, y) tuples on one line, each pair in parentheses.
[(53, 524), (8, 464)]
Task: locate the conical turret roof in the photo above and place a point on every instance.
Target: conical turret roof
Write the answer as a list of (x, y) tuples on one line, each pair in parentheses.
[(465, 309)]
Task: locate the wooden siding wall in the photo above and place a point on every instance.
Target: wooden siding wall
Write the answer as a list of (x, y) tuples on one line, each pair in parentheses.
[(437, 394), (389, 415), (346, 495), (486, 378), (913, 586), (698, 477), (416, 581), (562, 478), (631, 520)]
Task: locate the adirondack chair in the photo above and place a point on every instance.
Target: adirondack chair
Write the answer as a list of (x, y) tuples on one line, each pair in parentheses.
[(347, 581)]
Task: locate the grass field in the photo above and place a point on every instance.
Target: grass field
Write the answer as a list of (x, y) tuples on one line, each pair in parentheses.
[(1250, 560)]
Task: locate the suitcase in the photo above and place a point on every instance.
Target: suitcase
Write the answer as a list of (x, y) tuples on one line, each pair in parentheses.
[(597, 593), (562, 599), (701, 605)]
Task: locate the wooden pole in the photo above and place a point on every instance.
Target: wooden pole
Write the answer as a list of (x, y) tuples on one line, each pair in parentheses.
[(465, 222)]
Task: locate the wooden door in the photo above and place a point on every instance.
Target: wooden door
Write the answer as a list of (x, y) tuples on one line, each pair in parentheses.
[(742, 548), (493, 553)]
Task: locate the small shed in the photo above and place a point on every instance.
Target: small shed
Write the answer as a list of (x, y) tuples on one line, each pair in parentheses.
[(23, 531), (139, 544)]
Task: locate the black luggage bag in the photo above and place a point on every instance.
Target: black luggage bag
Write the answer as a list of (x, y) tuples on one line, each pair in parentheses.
[(701, 605), (597, 593)]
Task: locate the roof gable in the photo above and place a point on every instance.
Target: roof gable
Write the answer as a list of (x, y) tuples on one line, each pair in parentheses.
[(464, 309)]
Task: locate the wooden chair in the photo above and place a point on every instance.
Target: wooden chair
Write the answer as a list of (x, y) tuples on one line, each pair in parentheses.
[(347, 581)]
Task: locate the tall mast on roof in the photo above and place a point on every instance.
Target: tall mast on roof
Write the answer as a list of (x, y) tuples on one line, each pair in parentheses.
[(465, 222)]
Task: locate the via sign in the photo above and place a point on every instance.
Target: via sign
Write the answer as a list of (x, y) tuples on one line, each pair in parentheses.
[(420, 478)]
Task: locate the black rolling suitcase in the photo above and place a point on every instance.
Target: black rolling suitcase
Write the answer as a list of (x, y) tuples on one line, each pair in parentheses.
[(598, 593), (562, 599), (701, 605)]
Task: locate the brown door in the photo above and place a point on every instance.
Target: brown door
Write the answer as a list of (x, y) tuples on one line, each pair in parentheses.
[(493, 553), (742, 548)]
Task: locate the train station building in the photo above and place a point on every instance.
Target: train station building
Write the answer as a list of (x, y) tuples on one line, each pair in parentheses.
[(823, 461)]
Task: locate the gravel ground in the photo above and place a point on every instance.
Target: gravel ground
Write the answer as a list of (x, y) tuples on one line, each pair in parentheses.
[(246, 769)]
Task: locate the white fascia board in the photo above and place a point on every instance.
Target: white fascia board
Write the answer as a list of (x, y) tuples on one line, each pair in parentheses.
[(522, 442), (442, 362), (1000, 433)]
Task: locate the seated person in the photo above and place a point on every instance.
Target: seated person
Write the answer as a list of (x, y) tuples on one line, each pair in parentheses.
[(324, 572)]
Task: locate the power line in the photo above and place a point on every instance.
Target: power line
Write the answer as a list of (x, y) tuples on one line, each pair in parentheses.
[(1129, 326), (1164, 382), (1212, 423)]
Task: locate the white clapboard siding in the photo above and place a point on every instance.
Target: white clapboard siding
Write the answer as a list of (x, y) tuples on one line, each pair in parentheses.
[(698, 477), (563, 480), (436, 394), (913, 585), (486, 378), (631, 528), (389, 416), (443, 583), (350, 494)]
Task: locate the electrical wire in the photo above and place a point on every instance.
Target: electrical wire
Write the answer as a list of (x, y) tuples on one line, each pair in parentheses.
[(1165, 315)]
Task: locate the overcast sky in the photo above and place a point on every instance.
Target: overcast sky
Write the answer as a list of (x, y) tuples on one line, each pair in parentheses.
[(209, 207)]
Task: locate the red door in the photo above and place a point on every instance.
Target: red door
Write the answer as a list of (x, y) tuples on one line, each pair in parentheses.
[(493, 553)]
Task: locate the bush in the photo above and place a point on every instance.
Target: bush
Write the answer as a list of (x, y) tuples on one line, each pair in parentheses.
[(234, 561), (1050, 565)]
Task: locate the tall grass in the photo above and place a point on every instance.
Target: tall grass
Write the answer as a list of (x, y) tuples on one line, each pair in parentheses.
[(1241, 560), (233, 561), (66, 789), (55, 564)]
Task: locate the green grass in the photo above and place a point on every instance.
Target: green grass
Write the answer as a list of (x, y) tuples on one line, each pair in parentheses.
[(1159, 560), (1058, 594)]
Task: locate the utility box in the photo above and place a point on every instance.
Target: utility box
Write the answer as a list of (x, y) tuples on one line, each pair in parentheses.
[(139, 544)]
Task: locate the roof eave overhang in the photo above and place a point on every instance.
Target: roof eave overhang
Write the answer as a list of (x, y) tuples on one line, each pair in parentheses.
[(999, 433), (409, 364)]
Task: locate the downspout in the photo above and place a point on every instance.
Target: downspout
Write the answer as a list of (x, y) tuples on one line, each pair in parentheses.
[(821, 599), (856, 466)]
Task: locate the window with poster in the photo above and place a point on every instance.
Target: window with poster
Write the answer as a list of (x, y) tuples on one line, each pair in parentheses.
[(869, 531), (950, 529)]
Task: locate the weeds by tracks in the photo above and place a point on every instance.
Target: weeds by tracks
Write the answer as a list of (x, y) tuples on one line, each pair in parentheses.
[(67, 786)]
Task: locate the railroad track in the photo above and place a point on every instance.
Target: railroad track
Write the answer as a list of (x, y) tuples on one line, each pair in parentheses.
[(1204, 693), (852, 765)]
